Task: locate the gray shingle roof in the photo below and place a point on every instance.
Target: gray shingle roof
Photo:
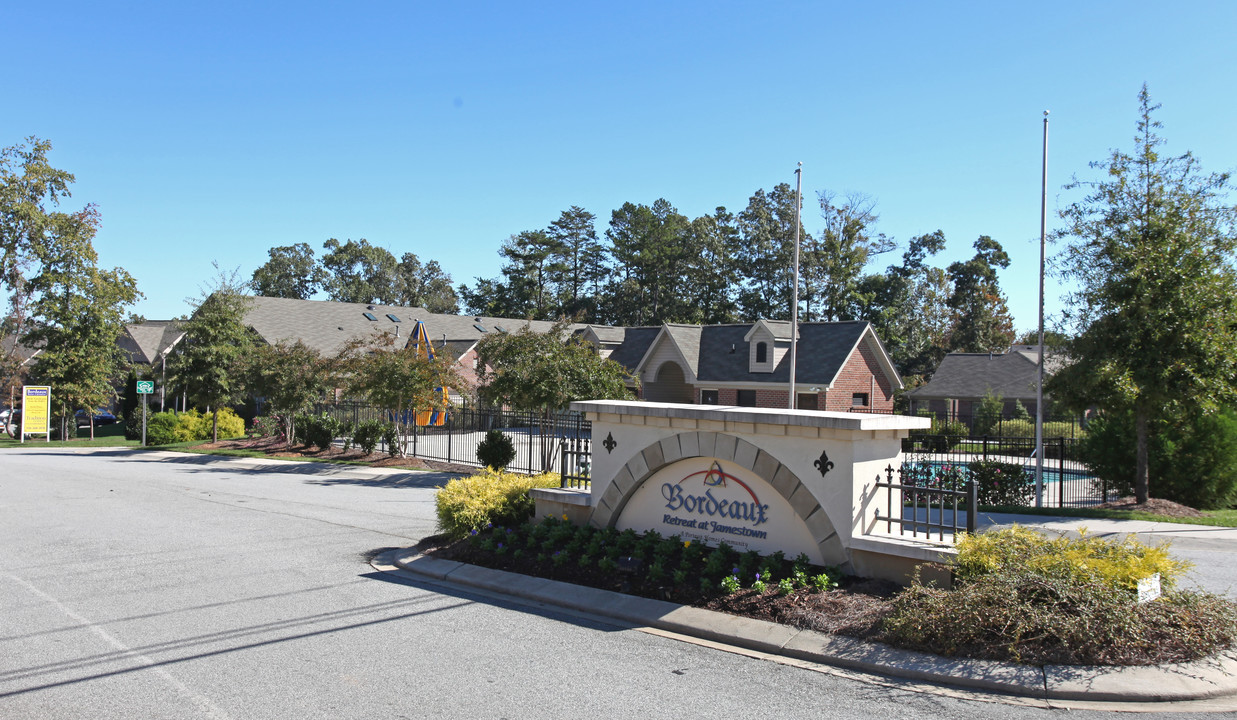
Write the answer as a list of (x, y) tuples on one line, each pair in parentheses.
[(962, 376), (147, 342), (688, 340), (823, 350), (636, 342), (327, 325)]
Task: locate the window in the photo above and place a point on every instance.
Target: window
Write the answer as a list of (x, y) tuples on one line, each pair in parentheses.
[(747, 398), (859, 400), (807, 401), (762, 352), (370, 317), (392, 318), (479, 327), (708, 397)]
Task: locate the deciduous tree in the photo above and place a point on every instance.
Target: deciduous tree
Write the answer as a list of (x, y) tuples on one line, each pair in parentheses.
[(357, 272), (544, 372), (209, 362), (292, 272), (289, 376), (396, 375), (426, 286)]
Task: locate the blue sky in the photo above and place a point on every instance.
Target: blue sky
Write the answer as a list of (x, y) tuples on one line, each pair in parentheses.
[(215, 131)]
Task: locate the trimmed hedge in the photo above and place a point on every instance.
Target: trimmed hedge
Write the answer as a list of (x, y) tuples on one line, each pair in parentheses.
[(487, 498)]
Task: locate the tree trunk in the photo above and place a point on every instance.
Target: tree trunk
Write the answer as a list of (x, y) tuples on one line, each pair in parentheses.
[(214, 425), (1142, 481)]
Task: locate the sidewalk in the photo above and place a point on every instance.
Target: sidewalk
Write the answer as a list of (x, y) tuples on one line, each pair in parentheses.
[(1145, 529), (1213, 683)]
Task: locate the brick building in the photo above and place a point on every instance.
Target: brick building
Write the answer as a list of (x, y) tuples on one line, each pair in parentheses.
[(840, 366)]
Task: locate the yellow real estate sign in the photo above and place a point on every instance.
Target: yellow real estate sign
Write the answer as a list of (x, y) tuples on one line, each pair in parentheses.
[(36, 409)]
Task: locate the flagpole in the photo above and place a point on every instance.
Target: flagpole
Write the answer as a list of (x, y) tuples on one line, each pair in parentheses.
[(1039, 385), (794, 302)]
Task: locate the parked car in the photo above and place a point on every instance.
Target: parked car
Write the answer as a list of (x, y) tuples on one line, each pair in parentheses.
[(101, 417), (12, 423)]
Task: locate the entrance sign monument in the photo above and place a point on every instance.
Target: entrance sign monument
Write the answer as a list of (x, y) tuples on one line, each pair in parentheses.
[(796, 481)]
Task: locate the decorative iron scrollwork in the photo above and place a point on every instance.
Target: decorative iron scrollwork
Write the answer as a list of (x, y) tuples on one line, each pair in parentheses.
[(609, 444), (824, 464)]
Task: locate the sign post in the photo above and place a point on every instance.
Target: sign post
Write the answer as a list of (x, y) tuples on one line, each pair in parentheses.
[(145, 388), (36, 402)]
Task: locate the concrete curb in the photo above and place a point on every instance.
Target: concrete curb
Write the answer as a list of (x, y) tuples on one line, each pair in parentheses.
[(1180, 682)]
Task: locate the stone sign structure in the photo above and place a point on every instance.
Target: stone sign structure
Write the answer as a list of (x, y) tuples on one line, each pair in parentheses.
[(756, 478)]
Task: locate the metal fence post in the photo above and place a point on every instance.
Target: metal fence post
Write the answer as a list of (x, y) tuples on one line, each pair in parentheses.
[(972, 506)]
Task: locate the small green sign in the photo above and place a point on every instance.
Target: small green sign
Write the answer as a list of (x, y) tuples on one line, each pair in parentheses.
[(145, 387)]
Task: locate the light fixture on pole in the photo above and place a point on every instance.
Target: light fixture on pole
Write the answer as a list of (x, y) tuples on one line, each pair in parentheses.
[(1039, 384), (794, 301)]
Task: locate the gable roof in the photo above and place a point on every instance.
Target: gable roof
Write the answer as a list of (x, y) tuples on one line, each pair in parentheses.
[(327, 326), (150, 341), (1012, 375), (635, 344), (719, 353)]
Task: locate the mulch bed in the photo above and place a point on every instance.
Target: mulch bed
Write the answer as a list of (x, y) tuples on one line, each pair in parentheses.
[(275, 448), (1156, 506), (856, 608)]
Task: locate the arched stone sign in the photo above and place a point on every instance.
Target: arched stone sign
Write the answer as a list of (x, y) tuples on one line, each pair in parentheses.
[(750, 499), (759, 478)]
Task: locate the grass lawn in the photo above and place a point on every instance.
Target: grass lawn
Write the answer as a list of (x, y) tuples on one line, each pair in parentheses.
[(1218, 518), (104, 436)]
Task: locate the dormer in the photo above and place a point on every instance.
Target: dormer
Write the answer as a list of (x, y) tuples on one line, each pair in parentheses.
[(767, 343), (604, 339)]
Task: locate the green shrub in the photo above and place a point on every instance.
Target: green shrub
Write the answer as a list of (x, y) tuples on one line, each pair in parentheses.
[(988, 414), (190, 426), (496, 451), (133, 424), (317, 430), (160, 428), (231, 425), (1031, 617), (1021, 596), (1193, 459), (1026, 429), (267, 426), (1118, 565), (1000, 483), (390, 436), (367, 435), (489, 497)]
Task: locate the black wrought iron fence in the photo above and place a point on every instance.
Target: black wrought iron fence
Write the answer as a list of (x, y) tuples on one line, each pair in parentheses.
[(535, 435), (1004, 469), (921, 503), (575, 467)]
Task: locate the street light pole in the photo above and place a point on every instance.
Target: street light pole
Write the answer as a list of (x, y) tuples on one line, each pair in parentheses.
[(1039, 385), (794, 302)]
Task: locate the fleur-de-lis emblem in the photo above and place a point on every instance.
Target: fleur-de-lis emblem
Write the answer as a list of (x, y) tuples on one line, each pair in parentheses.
[(824, 464), (609, 444)]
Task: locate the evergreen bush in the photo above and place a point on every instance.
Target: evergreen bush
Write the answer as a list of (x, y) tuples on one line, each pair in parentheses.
[(496, 451), (367, 435), (1192, 459), (160, 428)]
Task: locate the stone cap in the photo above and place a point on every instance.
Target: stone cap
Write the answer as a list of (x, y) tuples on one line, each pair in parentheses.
[(763, 416)]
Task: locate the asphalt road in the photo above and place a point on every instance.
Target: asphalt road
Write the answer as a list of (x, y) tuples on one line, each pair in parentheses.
[(155, 585)]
